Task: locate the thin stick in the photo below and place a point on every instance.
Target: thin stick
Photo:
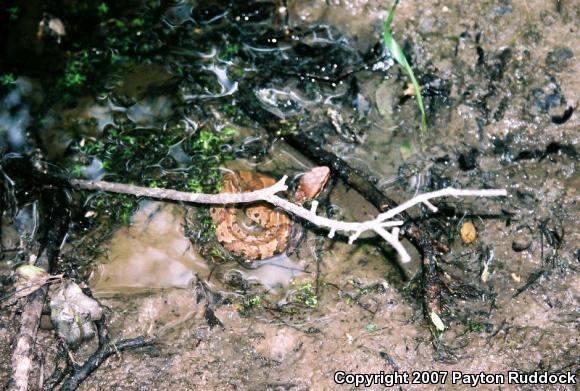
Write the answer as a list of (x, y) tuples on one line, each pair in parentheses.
[(449, 191), (104, 351), (268, 194), (25, 340)]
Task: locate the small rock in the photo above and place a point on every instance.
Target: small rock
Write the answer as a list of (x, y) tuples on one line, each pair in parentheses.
[(503, 10), (523, 239), (73, 313), (51, 26), (468, 232), (558, 59), (384, 96)]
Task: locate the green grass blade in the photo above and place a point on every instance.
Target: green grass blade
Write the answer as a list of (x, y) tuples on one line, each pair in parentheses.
[(399, 56)]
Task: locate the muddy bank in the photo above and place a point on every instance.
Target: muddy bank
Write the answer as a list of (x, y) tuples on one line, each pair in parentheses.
[(501, 87)]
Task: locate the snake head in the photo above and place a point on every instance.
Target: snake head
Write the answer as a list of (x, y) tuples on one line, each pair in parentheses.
[(311, 184)]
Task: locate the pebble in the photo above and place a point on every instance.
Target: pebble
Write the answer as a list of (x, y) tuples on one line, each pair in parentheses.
[(558, 59), (523, 239), (468, 232)]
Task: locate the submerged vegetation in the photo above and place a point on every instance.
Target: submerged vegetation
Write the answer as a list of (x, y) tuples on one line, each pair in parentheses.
[(153, 158)]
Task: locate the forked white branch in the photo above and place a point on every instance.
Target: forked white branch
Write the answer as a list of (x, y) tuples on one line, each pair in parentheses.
[(353, 230)]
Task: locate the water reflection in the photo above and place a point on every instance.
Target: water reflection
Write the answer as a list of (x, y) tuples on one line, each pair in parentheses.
[(275, 272), (152, 252), (14, 114)]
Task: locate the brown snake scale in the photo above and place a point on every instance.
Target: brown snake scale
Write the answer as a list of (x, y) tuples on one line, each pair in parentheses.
[(258, 230)]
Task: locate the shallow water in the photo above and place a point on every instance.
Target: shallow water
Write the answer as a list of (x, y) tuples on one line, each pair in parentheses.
[(153, 252)]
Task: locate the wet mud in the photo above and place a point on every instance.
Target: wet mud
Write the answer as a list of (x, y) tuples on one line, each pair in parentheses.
[(501, 85)]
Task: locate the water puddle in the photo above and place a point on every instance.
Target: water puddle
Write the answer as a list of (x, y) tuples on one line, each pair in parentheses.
[(153, 252)]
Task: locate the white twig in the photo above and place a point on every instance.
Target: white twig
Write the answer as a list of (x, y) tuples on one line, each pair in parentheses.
[(449, 191), (313, 206), (394, 241), (429, 205), (268, 194), (168, 194)]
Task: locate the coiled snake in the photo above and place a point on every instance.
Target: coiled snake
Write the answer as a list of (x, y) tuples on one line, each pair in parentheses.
[(258, 231)]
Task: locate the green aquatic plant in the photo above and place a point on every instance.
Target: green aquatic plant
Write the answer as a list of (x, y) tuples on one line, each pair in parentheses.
[(74, 72), (13, 12), (74, 76), (103, 9), (7, 79), (104, 38), (144, 157), (231, 50), (306, 295), (399, 56), (113, 207), (255, 301)]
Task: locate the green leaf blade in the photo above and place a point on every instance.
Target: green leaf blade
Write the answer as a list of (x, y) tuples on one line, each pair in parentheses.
[(397, 52)]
